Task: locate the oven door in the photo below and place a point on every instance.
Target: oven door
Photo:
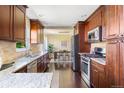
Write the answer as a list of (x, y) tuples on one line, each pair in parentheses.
[(85, 71)]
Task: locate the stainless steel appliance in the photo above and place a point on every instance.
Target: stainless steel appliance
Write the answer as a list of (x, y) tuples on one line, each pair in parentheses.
[(85, 62), (74, 53), (95, 35)]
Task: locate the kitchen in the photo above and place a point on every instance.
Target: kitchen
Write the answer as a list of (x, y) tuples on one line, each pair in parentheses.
[(97, 47)]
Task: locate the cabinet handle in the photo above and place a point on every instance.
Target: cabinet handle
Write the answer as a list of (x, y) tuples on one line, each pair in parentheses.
[(115, 41), (95, 70), (121, 35), (122, 41)]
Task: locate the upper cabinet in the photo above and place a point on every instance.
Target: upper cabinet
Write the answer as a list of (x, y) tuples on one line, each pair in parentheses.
[(12, 23), (6, 22), (36, 32), (104, 14), (86, 31), (19, 23), (95, 19), (81, 33), (112, 21), (121, 13)]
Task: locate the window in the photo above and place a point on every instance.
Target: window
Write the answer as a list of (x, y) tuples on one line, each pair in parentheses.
[(63, 44)]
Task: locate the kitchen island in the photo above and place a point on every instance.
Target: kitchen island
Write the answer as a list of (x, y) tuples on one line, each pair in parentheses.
[(26, 80)]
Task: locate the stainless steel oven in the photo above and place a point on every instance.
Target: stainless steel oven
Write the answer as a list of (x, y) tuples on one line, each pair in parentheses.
[(95, 35), (85, 69)]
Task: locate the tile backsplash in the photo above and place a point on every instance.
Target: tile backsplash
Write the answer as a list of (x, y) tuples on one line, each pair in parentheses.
[(36, 48), (8, 51), (100, 44)]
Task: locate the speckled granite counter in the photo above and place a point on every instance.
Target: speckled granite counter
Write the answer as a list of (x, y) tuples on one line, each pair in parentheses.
[(100, 60), (26, 80), (19, 63)]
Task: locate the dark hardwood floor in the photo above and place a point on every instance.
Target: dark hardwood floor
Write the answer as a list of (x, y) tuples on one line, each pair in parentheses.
[(64, 77)]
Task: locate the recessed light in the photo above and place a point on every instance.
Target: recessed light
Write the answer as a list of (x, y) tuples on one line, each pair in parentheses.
[(40, 15), (84, 15)]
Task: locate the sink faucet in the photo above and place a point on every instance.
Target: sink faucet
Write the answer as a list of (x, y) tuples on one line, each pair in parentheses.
[(28, 53)]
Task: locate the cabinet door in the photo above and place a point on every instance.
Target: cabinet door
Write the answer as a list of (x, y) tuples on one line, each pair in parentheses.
[(102, 78), (6, 22), (22, 70), (42, 34), (40, 66), (19, 24), (104, 15), (94, 76), (112, 58), (121, 13), (32, 67), (86, 32), (33, 32), (112, 21), (38, 34), (122, 64)]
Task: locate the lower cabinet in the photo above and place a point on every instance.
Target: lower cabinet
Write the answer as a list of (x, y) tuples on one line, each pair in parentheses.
[(42, 63), (22, 70), (40, 66), (37, 66), (98, 75), (32, 67), (112, 61)]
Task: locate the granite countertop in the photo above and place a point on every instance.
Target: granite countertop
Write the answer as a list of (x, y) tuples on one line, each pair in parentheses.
[(26, 80), (83, 53), (100, 60), (19, 63)]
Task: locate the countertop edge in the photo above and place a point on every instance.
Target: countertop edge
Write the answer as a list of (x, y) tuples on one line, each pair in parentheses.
[(95, 59), (30, 60)]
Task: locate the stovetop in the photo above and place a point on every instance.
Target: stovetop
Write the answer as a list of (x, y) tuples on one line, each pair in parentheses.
[(86, 56), (92, 55)]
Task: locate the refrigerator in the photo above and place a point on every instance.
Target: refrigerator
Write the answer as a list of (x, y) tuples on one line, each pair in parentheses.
[(74, 53)]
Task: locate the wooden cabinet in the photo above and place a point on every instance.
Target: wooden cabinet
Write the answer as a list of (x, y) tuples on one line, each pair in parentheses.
[(80, 34), (37, 66), (112, 21), (6, 22), (104, 26), (95, 19), (19, 24), (32, 67), (98, 75), (121, 15), (115, 47), (42, 65), (98, 18), (86, 31), (121, 68), (12, 23), (36, 32), (112, 57), (22, 70), (94, 76)]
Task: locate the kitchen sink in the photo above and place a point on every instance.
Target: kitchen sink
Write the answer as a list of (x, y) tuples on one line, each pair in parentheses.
[(5, 66), (32, 56)]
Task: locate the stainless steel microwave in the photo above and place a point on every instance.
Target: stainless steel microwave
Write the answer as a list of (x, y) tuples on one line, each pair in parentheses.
[(95, 35)]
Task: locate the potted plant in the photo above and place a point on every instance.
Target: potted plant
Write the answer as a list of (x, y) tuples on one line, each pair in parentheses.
[(50, 50)]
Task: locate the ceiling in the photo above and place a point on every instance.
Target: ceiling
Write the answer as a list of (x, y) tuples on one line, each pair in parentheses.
[(59, 31), (60, 15)]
